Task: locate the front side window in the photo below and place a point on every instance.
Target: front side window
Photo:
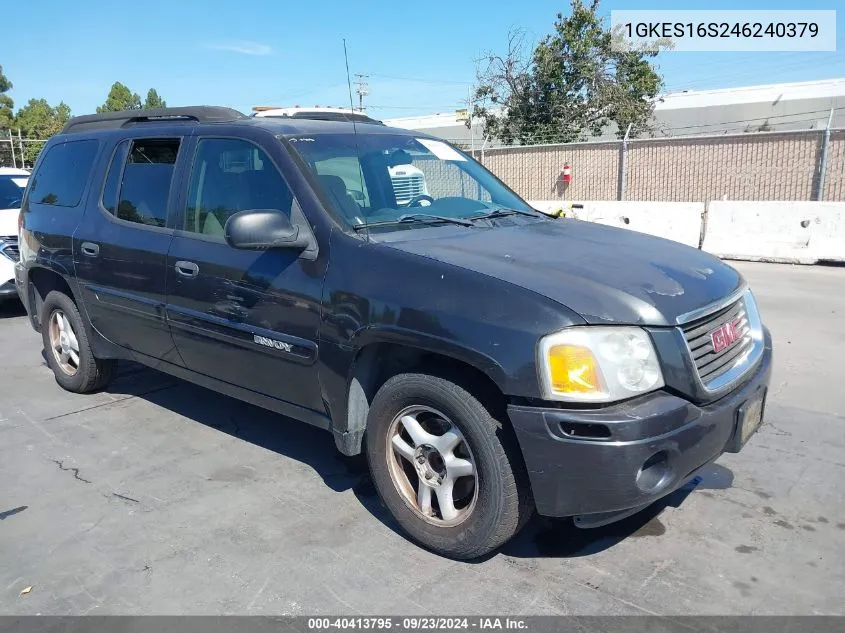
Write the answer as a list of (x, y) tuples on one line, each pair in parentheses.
[(147, 176), (230, 175), (380, 178), (62, 175)]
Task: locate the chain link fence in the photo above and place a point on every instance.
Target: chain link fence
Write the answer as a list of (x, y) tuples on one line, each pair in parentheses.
[(751, 166)]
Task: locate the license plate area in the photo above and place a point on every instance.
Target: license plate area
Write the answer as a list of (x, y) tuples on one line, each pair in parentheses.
[(749, 417)]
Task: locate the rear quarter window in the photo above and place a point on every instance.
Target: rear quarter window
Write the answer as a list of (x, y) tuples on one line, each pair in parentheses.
[(63, 174)]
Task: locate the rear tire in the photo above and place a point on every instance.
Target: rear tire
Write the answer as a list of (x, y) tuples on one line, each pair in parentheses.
[(451, 475), (67, 348)]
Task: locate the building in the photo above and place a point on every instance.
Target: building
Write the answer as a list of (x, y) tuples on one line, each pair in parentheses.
[(802, 105)]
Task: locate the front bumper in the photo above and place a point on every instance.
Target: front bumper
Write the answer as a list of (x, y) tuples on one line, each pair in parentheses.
[(593, 461), (7, 278), (21, 283)]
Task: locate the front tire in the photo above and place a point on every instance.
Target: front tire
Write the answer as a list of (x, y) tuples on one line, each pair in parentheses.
[(450, 474), (67, 348)]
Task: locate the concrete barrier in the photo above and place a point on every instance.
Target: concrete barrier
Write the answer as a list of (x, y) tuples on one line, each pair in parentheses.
[(678, 221), (790, 232)]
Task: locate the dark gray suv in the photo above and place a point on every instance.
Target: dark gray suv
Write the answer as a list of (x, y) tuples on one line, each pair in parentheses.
[(490, 361)]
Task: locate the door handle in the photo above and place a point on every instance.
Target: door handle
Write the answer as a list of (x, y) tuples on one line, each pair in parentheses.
[(90, 249), (187, 269)]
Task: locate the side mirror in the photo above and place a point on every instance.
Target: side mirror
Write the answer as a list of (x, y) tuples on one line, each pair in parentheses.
[(261, 229)]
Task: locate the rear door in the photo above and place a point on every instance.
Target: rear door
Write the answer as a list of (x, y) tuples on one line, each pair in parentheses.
[(246, 317), (55, 202), (120, 248)]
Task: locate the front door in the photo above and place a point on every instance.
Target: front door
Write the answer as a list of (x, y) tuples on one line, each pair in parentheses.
[(120, 247), (246, 317)]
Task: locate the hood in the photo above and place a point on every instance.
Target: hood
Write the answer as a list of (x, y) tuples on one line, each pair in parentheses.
[(605, 274), (8, 222)]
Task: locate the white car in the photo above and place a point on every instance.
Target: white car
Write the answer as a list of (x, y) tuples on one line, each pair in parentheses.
[(12, 185)]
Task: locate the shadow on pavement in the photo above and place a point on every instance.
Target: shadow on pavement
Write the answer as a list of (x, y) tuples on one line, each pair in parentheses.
[(285, 436), (546, 537), (282, 435), (542, 537), (10, 308)]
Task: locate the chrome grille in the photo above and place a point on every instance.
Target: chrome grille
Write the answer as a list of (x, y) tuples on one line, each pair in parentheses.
[(9, 247), (709, 363), (406, 187)]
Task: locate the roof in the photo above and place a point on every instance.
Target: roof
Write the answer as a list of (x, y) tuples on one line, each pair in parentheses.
[(124, 118), (766, 93), (211, 115), (12, 171)]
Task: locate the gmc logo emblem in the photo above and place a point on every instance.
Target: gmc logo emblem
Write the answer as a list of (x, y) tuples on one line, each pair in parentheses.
[(725, 335)]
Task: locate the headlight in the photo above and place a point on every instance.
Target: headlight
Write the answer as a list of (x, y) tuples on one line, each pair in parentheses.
[(598, 364)]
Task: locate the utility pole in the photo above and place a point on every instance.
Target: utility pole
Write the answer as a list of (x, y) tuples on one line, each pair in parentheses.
[(12, 148), (469, 122), (823, 162), (622, 186), (363, 89)]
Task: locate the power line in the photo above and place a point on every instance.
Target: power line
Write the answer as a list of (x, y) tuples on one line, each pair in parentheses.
[(758, 119), (551, 137), (746, 72), (421, 107), (421, 80)]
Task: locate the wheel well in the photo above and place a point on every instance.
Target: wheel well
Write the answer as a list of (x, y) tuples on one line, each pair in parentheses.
[(42, 281), (375, 364)]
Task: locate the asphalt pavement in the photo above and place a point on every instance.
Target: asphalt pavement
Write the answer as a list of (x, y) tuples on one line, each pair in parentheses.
[(157, 496)]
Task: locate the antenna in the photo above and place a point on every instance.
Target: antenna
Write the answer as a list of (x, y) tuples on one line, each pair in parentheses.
[(355, 131)]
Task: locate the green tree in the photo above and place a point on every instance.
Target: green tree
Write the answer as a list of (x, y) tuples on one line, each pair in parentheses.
[(6, 103), (39, 120), (153, 100), (573, 84), (120, 98)]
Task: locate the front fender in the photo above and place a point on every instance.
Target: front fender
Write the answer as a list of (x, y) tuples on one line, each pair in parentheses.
[(427, 342), (348, 374)]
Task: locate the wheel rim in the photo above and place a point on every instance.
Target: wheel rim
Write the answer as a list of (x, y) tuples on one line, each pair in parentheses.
[(63, 343), (431, 466)]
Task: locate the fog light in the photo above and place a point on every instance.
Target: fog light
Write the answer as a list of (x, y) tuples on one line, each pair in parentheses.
[(655, 473)]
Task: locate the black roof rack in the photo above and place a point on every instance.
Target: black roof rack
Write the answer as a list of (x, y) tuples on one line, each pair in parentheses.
[(113, 120)]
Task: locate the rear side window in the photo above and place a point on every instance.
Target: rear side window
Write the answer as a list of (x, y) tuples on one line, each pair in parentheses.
[(62, 175), (145, 186)]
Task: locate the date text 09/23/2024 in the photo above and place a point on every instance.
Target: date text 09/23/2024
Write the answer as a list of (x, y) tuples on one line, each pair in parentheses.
[(421, 623)]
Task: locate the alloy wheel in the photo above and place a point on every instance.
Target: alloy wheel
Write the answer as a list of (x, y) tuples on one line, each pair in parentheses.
[(431, 465), (63, 343)]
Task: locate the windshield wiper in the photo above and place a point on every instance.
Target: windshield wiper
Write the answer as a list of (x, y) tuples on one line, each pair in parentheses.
[(417, 217), (503, 211)]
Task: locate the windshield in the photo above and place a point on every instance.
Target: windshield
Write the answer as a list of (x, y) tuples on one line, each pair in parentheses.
[(381, 179), (11, 191)]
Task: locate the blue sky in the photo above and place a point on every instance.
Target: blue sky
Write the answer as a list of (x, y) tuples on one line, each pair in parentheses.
[(420, 54)]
